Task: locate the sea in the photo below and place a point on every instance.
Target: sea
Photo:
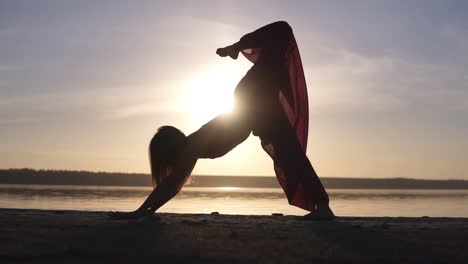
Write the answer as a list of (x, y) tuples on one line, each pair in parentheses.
[(233, 200)]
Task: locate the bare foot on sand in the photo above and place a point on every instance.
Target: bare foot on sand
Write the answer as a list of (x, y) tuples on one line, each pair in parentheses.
[(323, 213)]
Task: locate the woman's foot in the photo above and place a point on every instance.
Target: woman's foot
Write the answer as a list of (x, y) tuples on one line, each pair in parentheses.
[(323, 213)]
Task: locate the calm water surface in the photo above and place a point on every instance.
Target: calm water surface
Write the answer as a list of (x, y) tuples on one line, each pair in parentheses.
[(226, 200)]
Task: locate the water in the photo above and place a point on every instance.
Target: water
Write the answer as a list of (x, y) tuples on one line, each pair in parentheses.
[(345, 202)]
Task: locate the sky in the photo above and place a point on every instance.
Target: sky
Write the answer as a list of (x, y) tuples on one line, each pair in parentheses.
[(85, 84)]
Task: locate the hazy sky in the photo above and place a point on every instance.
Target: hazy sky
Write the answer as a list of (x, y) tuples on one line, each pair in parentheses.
[(85, 84)]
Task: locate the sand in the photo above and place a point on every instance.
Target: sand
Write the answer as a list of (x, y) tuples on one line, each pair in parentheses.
[(38, 236)]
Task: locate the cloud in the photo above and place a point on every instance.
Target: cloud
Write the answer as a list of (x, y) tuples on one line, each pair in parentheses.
[(348, 80), (141, 109), (462, 105), (99, 104), (351, 82), (14, 121), (4, 68), (456, 36)]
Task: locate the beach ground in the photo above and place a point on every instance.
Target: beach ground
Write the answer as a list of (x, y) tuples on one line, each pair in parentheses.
[(39, 236)]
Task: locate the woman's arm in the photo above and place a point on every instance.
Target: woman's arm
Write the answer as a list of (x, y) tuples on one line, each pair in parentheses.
[(163, 192), (272, 35), (160, 195)]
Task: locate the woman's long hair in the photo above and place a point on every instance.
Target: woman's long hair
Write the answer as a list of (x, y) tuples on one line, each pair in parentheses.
[(164, 149)]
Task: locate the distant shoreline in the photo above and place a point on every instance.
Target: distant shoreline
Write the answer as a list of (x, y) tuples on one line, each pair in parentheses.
[(62, 177)]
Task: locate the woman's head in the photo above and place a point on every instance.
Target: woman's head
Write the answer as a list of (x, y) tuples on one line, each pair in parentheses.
[(164, 149)]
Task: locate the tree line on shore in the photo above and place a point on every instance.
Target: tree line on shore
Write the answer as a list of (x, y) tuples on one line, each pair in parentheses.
[(67, 177)]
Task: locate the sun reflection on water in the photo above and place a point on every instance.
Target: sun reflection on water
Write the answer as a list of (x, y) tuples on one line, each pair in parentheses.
[(227, 188)]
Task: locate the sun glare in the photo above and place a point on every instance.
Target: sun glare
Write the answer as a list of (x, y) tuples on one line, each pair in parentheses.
[(210, 93)]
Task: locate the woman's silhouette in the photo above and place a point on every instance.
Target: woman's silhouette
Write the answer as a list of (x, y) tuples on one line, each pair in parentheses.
[(272, 103)]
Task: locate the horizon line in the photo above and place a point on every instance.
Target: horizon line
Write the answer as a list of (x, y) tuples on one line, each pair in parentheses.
[(227, 175)]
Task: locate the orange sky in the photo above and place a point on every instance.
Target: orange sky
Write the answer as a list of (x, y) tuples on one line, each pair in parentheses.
[(84, 85)]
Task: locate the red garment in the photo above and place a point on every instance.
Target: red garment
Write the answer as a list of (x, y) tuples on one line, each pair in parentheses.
[(273, 104), (293, 98), (293, 170)]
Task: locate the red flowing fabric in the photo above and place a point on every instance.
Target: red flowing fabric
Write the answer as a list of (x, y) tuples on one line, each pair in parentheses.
[(293, 98), (301, 184)]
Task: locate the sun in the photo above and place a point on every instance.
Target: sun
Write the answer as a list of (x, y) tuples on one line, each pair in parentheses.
[(210, 93)]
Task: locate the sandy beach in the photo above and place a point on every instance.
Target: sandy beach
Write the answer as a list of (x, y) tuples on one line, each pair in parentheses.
[(38, 236)]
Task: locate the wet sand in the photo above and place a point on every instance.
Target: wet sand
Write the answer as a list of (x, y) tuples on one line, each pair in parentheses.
[(39, 236)]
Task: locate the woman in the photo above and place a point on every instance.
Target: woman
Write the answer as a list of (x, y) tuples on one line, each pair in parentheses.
[(272, 103)]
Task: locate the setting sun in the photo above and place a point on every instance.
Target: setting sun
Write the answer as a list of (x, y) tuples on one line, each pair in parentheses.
[(210, 92)]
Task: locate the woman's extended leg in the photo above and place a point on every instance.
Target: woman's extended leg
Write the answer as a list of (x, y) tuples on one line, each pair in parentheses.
[(296, 174)]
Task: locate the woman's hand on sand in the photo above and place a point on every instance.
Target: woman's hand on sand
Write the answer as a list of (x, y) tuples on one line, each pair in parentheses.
[(115, 215), (230, 51)]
